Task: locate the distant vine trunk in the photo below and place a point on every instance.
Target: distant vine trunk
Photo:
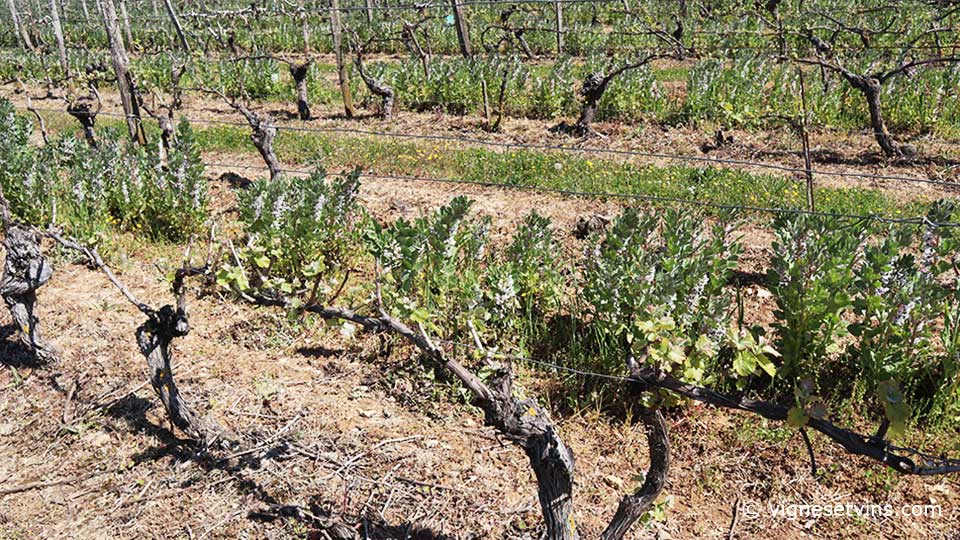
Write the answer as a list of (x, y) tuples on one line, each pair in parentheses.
[(871, 89), (299, 72), (87, 116), (263, 133), (377, 87), (592, 91)]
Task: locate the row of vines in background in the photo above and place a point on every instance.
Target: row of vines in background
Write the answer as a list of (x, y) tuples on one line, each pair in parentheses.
[(748, 91), (863, 309), (586, 28), (93, 192)]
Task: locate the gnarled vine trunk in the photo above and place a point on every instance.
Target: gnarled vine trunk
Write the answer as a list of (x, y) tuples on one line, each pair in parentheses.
[(592, 91), (154, 338), (167, 135), (299, 73), (871, 88), (634, 505), (25, 270), (525, 424), (593, 88), (84, 113), (413, 44), (263, 134), (378, 87)]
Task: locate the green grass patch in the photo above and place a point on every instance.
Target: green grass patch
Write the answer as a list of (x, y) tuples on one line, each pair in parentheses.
[(557, 171)]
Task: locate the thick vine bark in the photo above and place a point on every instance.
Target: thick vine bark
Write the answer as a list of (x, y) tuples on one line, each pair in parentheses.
[(913, 55), (263, 132), (167, 133), (592, 91), (377, 87), (84, 113), (525, 423), (871, 88), (593, 88), (154, 338), (633, 506), (299, 73), (25, 270)]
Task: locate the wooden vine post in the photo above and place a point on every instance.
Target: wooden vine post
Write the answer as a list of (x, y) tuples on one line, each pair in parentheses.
[(21, 32), (121, 66), (336, 30), (126, 23), (558, 9), (805, 140), (304, 27), (58, 34), (463, 33)]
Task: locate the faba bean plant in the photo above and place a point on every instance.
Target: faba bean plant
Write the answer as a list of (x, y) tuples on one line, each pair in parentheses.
[(858, 306), (94, 191)]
